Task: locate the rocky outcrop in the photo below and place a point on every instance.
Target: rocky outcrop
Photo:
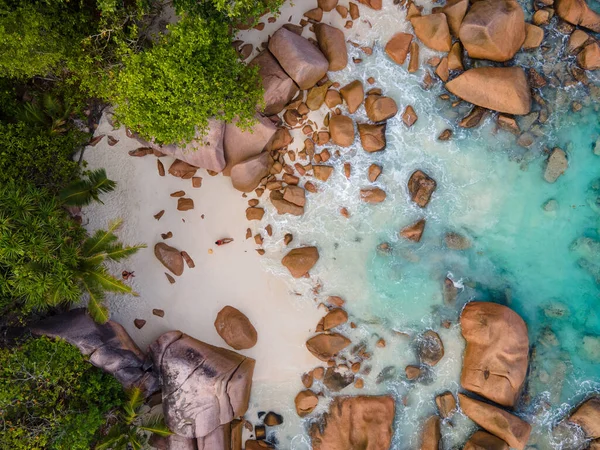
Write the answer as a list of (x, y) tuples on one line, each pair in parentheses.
[(326, 346), (482, 440), (496, 356), (300, 260), (503, 89), (278, 87), (107, 345), (203, 387), (169, 257), (577, 12), (556, 165), (493, 29), (246, 175), (206, 152), (587, 416), (398, 46), (301, 60), (241, 145), (355, 422), (421, 187), (333, 45), (235, 328), (508, 427), (433, 31), (341, 129)]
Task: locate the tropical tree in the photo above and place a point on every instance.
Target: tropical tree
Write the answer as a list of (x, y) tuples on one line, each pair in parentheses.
[(83, 191), (132, 429)]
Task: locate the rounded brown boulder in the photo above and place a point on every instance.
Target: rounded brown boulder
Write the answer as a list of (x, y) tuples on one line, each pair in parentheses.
[(497, 351), (503, 89), (169, 257), (587, 416), (246, 175), (300, 260), (326, 345), (380, 108), (493, 29), (341, 129), (577, 12), (235, 328), (372, 137), (421, 187), (306, 402), (333, 45), (482, 440), (433, 31)]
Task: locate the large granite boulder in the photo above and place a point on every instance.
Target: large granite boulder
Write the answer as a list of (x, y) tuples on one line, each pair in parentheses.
[(107, 345), (496, 356), (455, 11), (579, 13), (333, 45), (204, 151), (203, 387), (503, 89), (300, 260), (169, 257), (361, 422), (299, 58), (587, 416), (246, 176), (278, 86), (482, 440), (493, 29), (433, 30), (235, 328), (241, 145), (508, 427)]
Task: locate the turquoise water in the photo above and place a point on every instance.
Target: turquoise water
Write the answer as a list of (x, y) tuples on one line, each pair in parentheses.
[(544, 262)]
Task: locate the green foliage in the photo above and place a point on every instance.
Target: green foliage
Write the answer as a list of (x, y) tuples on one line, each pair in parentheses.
[(191, 75), (34, 155), (52, 398), (46, 260), (132, 429), (235, 11), (82, 192)]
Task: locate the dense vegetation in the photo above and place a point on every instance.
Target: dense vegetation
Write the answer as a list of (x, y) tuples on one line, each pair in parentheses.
[(52, 398)]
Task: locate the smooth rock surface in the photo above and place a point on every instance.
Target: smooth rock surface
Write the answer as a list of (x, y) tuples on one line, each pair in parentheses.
[(235, 328), (333, 45), (241, 145), (482, 440), (278, 86), (169, 257), (246, 175), (433, 31), (300, 260), (326, 345)]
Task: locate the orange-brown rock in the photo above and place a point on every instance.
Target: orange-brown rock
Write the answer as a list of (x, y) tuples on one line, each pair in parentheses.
[(252, 444), (413, 232), (295, 195), (442, 69), (306, 402), (169, 257), (332, 99), (278, 87), (455, 57), (361, 422), (503, 89), (334, 318), (412, 372), (493, 29), (353, 94), (380, 108), (333, 45), (446, 404), (421, 187), (341, 129), (372, 137), (496, 356), (322, 172), (374, 172), (534, 36), (398, 46), (431, 434), (409, 116), (430, 348), (455, 11), (242, 144), (373, 4), (327, 5), (182, 169), (577, 39), (482, 440), (246, 175), (413, 65), (316, 96), (589, 57), (300, 260), (235, 328), (508, 427), (326, 346), (185, 204), (587, 416), (433, 31), (579, 13), (372, 195)]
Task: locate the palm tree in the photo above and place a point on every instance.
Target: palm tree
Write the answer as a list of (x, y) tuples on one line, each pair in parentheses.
[(92, 275), (82, 192), (131, 431)]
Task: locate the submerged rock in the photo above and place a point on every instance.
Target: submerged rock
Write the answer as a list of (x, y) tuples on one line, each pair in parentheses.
[(455, 241), (355, 422), (587, 416), (203, 386), (235, 328), (169, 257), (430, 348), (421, 187), (300, 260), (482, 440), (414, 232), (556, 165), (508, 427), (493, 29), (497, 352), (335, 381)]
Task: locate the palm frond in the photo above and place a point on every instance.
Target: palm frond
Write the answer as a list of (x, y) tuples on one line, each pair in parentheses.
[(156, 424), (117, 252), (101, 239), (115, 439), (135, 399), (83, 192), (96, 307), (106, 281)]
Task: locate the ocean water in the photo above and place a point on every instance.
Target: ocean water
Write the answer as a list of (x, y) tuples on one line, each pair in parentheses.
[(535, 246)]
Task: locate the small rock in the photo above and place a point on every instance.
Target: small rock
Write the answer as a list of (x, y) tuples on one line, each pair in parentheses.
[(182, 169), (334, 318), (412, 372), (178, 194), (450, 291), (169, 257), (409, 117), (196, 182), (372, 195), (161, 168), (556, 165), (168, 235), (430, 348), (158, 312), (353, 94), (321, 172), (414, 232), (170, 278), (398, 46), (372, 137), (446, 404), (159, 214), (185, 204), (139, 323), (326, 346), (306, 402), (112, 141), (445, 135), (300, 260), (288, 238), (188, 260), (273, 419), (421, 187), (253, 213), (374, 172)]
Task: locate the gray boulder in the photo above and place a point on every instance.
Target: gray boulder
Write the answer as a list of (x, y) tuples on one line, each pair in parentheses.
[(203, 387), (108, 346), (278, 86)]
